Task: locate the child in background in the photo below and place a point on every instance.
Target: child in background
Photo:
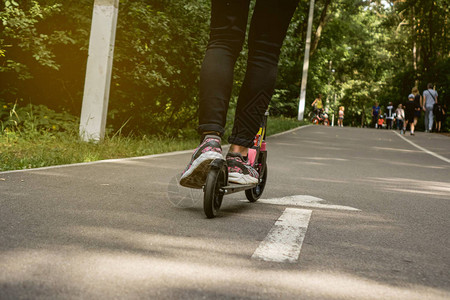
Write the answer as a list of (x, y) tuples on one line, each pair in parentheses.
[(341, 117), (439, 114), (380, 122), (410, 109), (400, 117)]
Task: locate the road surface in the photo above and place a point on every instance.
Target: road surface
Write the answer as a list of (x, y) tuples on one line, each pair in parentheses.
[(355, 213)]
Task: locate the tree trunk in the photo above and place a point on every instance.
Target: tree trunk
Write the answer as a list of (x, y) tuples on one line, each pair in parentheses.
[(323, 21), (413, 27), (430, 25)]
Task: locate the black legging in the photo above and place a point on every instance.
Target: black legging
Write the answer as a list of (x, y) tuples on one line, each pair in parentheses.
[(268, 28)]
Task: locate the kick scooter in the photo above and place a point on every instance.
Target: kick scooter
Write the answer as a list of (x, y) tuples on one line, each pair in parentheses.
[(217, 185)]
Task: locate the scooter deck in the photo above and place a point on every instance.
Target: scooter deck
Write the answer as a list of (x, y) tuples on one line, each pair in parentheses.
[(234, 187)]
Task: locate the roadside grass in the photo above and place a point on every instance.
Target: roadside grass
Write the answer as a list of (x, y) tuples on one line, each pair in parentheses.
[(30, 147)]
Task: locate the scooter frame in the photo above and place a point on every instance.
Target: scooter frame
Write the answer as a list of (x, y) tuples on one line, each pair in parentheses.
[(217, 184)]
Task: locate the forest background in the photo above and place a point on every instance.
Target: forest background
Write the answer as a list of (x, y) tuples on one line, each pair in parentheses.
[(361, 52)]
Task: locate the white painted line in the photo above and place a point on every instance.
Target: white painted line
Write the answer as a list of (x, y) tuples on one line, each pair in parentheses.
[(288, 131), (305, 201), (423, 149), (101, 161), (285, 238)]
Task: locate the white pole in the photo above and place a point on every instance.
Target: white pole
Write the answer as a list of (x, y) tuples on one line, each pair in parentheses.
[(301, 105), (98, 70)]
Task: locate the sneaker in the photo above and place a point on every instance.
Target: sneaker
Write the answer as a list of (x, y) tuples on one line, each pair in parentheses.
[(194, 176), (239, 170)]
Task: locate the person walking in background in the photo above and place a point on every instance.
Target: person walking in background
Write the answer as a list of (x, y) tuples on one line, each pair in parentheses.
[(228, 28), (417, 104), (410, 109), (376, 111), (400, 117), (389, 115), (341, 116), (430, 97), (439, 113)]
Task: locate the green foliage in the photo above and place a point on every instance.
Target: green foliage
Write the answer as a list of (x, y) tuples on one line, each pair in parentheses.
[(158, 55), (365, 53), (34, 119), (20, 34)]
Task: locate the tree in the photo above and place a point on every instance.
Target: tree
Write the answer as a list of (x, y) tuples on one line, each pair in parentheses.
[(377, 49)]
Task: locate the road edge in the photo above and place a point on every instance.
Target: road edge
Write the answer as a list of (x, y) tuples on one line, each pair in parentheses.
[(129, 158)]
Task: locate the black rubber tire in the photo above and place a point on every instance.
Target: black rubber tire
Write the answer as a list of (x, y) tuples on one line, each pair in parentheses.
[(212, 198), (255, 193)]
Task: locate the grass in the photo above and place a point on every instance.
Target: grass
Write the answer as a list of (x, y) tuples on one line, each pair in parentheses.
[(31, 148)]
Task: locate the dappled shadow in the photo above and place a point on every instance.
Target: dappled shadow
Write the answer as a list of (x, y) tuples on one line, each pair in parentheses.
[(104, 274), (412, 186), (396, 150), (370, 244)]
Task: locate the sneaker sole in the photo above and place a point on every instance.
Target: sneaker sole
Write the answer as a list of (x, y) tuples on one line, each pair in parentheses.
[(241, 178), (195, 177)]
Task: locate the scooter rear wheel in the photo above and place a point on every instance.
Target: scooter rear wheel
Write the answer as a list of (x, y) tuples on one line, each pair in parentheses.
[(255, 193)]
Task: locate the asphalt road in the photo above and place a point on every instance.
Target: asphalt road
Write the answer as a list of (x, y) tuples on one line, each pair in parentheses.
[(124, 229)]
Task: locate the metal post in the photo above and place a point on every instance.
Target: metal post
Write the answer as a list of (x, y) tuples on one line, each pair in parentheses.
[(301, 105), (98, 70)]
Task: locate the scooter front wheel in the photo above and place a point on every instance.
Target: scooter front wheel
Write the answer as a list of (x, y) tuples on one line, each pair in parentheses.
[(213, 192)]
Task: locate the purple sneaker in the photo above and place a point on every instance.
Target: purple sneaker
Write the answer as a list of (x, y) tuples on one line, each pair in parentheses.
[(194, 176), (239, 170)]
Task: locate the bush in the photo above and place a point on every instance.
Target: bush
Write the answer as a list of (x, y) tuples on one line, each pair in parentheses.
[(35, 119)]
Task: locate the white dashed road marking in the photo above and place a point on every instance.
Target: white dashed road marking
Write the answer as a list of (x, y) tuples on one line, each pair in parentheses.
[(285, 239), (305, 201)]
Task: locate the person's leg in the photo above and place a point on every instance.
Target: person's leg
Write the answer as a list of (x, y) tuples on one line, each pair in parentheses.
[(227, 35), (426, 121), (430, 119), (268, 28)]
